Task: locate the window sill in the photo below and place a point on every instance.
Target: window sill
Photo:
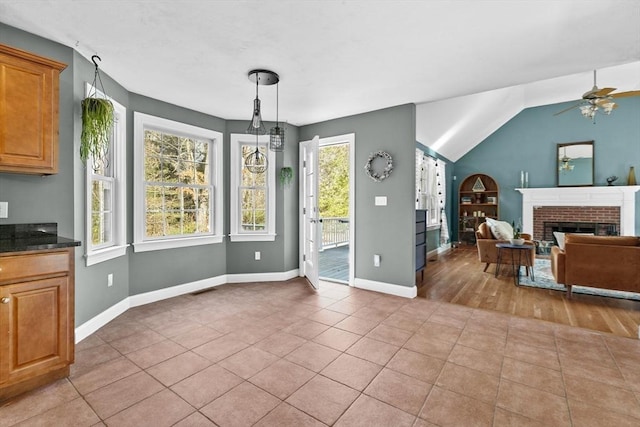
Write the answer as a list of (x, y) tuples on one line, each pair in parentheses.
[(102, 255), (252, 237), (433, 227), (157, 245)]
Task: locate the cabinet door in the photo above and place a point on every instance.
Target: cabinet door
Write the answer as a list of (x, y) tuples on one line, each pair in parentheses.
[(34, 328), (29, 112)]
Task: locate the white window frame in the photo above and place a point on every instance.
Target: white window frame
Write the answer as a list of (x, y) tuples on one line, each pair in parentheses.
[(143, 122), (427, 188), (237, 235), (117, 247)]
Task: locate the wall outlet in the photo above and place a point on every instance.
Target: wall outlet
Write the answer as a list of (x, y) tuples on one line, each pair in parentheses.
[(257, 256), (4, 209), (376, 260), (380, 200), (109, 279)]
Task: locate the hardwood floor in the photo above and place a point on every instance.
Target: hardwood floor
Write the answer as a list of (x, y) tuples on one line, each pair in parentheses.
[(457, 277)]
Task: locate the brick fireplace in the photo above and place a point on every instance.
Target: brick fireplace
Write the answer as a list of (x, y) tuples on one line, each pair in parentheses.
[(607, 205), (599, 220)]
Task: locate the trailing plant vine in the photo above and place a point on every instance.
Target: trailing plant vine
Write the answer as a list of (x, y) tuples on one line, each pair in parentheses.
[(286, 175), (97, 123)]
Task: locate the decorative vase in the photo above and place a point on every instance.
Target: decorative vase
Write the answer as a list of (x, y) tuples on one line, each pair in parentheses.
[(631, 180), (516, 241)]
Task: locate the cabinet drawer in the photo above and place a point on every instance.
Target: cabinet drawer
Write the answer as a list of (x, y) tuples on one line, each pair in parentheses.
[(25, 266)]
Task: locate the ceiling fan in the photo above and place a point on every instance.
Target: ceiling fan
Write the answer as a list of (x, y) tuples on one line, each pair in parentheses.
[(598, 99)]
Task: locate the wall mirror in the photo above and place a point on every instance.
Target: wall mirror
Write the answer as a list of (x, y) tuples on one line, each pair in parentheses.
[(575, 164)]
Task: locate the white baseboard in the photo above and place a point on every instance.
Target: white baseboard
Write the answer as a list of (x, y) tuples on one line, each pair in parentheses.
[(95, 323), (262, 277), (439, 250), (386, 288), (92, 325)]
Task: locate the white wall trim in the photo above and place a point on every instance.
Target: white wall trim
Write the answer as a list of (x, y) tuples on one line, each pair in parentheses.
[(92, 325), (95, 323), (262, 277), (386, 288), (439, 250), (621, 196)]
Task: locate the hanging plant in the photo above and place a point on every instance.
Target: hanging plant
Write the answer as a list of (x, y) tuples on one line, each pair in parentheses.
[(286, 175), (97, 123)]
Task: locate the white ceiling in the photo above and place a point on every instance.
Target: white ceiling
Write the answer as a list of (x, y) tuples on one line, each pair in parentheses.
[(335, 58)]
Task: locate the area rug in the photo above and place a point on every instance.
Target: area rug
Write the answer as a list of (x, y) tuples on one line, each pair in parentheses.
[(544, 279)]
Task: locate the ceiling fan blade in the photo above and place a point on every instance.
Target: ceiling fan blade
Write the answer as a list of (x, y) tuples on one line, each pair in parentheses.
[(567, 109), (605, 91), (625, 94)]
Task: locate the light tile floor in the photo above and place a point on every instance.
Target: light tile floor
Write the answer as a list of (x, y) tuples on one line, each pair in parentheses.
[(280, 354)]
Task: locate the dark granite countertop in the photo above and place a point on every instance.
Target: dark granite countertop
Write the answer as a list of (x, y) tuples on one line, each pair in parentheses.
[(32, 237)]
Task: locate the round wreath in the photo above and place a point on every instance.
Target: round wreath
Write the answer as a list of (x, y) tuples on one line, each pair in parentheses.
[(379, 176)]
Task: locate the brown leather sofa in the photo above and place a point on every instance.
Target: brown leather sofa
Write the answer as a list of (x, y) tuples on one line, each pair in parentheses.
[(609, 262), (488, 252)]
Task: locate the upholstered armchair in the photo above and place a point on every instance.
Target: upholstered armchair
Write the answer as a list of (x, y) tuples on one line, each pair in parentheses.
[(488, 252)]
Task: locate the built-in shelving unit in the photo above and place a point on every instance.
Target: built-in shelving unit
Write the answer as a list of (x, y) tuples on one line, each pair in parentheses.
[(478, 199)]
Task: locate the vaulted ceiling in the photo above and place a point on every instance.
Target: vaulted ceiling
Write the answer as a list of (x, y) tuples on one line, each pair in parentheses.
[(337, 58)]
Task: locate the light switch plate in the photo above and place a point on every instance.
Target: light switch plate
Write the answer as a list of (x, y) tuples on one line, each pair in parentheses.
[(381, 201), (4, 209)]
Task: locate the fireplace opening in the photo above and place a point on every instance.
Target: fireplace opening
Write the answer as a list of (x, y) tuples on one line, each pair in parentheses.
[(596, 228)]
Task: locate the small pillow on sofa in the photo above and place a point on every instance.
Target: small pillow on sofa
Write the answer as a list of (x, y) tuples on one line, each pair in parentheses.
[(501, 230), (559, 238)]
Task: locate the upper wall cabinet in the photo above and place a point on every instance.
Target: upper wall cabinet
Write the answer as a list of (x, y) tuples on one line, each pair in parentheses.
[(29, 86)]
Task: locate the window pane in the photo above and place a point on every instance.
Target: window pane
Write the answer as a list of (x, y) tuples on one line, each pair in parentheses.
[(190, 224), (187, 172), (202, 173), (154, 199), (101, 196), (173, 224), (154, 224), (178, 165), (170, 146), (153, 169), (189, 198), (172, 198), (100, 228)]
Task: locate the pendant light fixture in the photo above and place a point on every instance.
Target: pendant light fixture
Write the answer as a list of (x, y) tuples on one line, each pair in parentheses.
[(256, 162), (276, 134)]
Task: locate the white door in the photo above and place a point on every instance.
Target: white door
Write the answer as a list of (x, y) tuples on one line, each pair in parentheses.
[(310, 223)]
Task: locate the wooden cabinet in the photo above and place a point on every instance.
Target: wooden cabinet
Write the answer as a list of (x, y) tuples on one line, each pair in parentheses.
[(478, 199), (36, 319), (421, 240), (29, 93)]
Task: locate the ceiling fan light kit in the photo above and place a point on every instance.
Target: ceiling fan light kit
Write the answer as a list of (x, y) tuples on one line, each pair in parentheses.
[(598, 100)]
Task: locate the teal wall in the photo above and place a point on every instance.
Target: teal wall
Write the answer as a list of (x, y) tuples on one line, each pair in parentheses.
[(384, 230), (529, 142)]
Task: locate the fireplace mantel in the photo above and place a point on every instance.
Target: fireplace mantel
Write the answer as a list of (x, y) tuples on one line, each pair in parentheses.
[(622, 196)]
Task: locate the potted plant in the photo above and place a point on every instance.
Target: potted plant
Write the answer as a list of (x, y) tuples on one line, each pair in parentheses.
[(517, 238), (286, 175), (97, 122)]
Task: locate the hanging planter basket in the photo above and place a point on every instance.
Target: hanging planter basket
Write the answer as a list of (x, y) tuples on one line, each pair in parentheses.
[(97, 124), (286, 175)]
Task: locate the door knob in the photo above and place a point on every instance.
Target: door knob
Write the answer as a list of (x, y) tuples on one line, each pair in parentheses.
[(5, 300)]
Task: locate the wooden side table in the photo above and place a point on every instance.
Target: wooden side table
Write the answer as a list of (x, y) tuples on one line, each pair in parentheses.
[(521, 250)]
